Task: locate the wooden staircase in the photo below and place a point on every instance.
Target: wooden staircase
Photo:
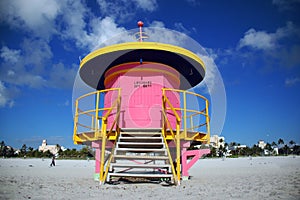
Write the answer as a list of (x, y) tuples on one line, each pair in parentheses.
[(140, 156)]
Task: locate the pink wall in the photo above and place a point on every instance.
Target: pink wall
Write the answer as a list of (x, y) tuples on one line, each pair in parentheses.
[(141, 93)]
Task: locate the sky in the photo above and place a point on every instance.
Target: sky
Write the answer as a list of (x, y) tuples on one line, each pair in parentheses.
[(255, 45)]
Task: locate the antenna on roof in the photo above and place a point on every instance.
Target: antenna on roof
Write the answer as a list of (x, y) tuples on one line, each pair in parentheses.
[(141, 35), (140, 25)]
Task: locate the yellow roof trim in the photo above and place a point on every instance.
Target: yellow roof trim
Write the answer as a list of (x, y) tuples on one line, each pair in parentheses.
[(141, 45)]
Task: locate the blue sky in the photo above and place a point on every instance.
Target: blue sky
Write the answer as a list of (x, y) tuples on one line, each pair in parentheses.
[(255, 44)]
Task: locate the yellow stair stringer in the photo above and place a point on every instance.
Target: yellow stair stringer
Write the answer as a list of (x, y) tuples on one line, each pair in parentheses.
[(110, 157), (176, 181)]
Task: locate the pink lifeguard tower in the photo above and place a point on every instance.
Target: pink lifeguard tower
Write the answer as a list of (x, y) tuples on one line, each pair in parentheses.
[(142, 121)]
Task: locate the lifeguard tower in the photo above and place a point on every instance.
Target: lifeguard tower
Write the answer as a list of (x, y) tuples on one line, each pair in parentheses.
[(143, 118)]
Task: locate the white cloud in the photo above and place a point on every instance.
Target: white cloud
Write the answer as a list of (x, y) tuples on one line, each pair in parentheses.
[(66, 103), (31, 15), (6, 96), (102, 30), (284, 5), (278, 49), (30, 63), (34, 68), (258, 40), (157, 24), (36, 53), (291, 81), (25, 66), (193, 2), (261, 40), (179, 27), (166, 36), (70, 20), (290, 56), (61, 76), (73, 25), (85, 30), (146, 5), (116, 9), (213, 86), (10, 55), (124, 10)]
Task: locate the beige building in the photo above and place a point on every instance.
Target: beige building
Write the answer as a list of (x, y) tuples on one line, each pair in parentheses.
[(261, 144), (217, 141), (52, 148)]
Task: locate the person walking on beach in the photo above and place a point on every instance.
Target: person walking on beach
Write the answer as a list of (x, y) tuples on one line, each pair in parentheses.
[(53, 161)]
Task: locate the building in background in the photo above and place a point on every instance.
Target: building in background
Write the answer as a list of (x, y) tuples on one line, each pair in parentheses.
[(51, 148), (261, 144), (217, 141)]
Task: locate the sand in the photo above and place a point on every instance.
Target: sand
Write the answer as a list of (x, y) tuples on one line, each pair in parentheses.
[(241, 178)]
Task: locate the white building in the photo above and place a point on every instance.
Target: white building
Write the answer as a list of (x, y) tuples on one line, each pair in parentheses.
[(217, 141), (261, 144), (52, 148)]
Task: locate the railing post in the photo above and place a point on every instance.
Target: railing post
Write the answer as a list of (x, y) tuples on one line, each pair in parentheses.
[(178, 151), (104, 121), (75, 120), (163, 110), (184, 113), (118, 109), (97, 115), (192, 123), (207, 121), (93, 123)]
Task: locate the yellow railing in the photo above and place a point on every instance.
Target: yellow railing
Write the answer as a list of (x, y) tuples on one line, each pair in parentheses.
[(197, 126), (194, 115), (165, 102), (90, 121), (85, 116)]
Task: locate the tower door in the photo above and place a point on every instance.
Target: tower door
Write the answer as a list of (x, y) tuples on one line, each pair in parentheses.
[(141, 101)]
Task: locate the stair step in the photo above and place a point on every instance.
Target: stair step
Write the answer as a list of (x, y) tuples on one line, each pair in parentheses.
[(138, 130), (140, 150), (142, 134), (145, 142), (140, 138), (141, 175), (138, 157), (140, 143), (127, 165)]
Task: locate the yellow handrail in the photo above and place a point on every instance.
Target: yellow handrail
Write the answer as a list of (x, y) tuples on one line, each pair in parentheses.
[(170, 158), (165, 119), (110, 157), (87, 119), (178, 119), (188, 115)]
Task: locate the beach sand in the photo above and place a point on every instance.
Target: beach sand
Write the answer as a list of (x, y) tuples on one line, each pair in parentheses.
[(232, 178)]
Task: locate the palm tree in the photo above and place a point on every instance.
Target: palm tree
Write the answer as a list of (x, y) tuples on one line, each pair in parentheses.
[(212, 151), (24, 150), (2, 148), (274, 144), (221, 141), (232, 144), (292, 143), (280, 141), (268, 147)]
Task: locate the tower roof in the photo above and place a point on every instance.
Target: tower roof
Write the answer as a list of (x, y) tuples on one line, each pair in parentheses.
[(188, 64)]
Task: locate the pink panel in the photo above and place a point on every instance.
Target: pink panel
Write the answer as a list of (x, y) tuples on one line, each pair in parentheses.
[(141, 93), (195, 154)]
